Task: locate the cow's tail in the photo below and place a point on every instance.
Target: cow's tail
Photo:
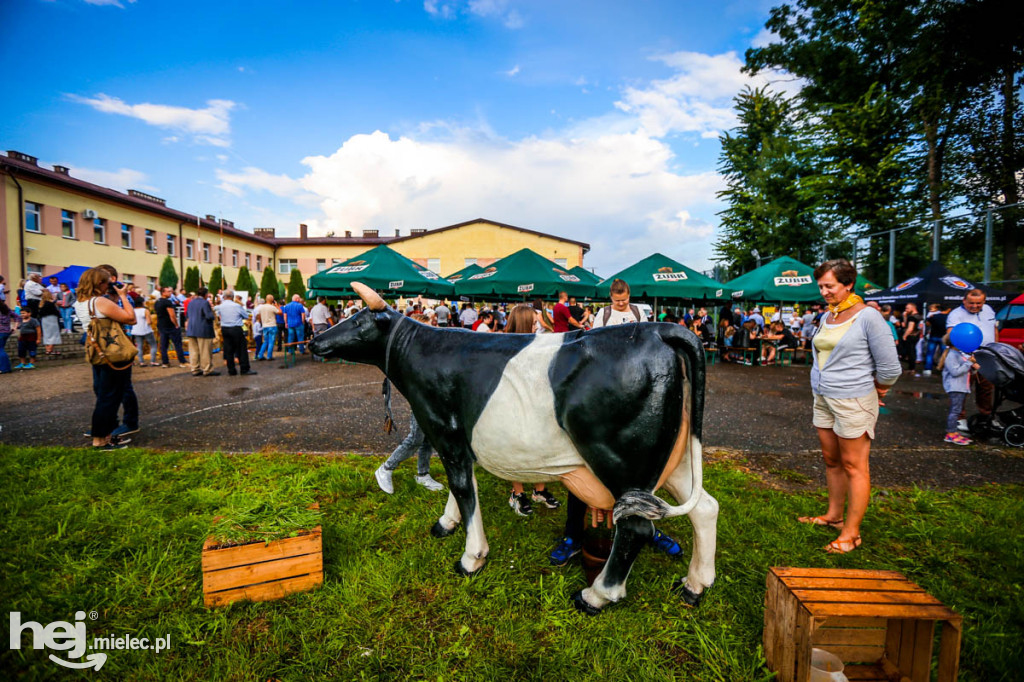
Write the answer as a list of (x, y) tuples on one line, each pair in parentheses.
[(691, 352), (649, 506)]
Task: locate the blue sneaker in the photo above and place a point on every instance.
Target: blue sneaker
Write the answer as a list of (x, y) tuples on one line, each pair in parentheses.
[(124, 430), (664, 543), (19, 366), (564, 551), (28, 366)]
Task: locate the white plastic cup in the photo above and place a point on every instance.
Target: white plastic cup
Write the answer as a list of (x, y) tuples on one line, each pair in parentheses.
[(826, 667)]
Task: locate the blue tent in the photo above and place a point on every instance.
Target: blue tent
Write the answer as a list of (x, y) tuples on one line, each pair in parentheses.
[(69, 275)]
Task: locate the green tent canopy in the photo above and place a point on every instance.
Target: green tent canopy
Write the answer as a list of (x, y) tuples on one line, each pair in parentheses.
[(658, 276), (586, 276), (465, 272), (524, 273), (783, 279), (383, 269), (865, 286)]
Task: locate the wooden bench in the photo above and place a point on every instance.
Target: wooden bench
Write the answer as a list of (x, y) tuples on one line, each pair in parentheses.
[(710, 355), (877, 620)]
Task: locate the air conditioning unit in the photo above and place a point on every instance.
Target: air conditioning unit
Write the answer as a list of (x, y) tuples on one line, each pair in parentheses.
[(90, 214)]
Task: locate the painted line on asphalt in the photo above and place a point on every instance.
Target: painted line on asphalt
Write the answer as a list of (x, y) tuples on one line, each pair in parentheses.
[(257, 399)]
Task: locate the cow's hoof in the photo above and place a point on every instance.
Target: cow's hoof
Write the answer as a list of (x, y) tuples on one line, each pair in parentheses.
[(582, 606), (691, 598), (439, 531), (461, 570)]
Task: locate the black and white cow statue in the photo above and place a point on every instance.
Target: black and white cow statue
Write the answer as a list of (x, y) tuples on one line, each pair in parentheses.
[(613, 413)]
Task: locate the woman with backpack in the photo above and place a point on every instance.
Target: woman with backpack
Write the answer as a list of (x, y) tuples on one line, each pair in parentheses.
[(111, 383)]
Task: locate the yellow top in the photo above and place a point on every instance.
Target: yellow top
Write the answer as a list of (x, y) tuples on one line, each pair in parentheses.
[(826, 340)]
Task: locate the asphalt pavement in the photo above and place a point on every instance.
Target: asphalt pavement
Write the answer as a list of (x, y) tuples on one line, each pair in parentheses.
[(758, 416)]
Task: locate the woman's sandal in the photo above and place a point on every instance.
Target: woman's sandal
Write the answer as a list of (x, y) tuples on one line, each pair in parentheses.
[(820, 521), (843, 546)]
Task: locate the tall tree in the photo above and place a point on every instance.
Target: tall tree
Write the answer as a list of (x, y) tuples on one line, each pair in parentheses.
[(216, 279), (168, 273), (192, 279), (245, 282), (296, 285), (269, 284), (764, 161)]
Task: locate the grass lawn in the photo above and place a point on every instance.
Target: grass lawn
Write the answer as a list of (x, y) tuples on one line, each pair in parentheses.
[(121, 533)]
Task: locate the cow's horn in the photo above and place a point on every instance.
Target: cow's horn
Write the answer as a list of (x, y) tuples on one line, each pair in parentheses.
[(370, 297)]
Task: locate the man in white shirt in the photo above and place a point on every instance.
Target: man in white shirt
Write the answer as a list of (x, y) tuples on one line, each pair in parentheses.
[(54, 288), (34, 293), (975, 311), (320, 319), (443, 313), (621, 311), (468, 316)]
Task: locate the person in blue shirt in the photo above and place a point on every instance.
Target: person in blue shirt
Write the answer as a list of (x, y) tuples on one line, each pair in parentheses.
[(295, 318)]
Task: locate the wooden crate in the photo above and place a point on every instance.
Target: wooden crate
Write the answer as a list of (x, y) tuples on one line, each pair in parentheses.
[(259, 571), (878, 623)]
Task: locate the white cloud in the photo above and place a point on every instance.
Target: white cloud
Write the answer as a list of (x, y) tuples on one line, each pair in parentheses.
[(122, 179), (513, 71), (210, 125), (449, 9), (612, 181), (698, 98), (111, 3)]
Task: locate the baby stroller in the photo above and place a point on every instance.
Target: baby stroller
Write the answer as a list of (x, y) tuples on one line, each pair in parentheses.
[(1003, 365)]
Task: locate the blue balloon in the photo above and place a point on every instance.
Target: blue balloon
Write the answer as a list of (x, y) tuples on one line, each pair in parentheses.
[(966, 337)]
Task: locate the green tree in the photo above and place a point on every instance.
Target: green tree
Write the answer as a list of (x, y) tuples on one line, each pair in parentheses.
[(168, 273), (192, 279), (296, 285), (764, 163), (269, 283), (216, 279), (245, 282)]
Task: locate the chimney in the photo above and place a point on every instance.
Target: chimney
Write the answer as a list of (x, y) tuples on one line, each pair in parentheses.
[(265, 232), (212, 218), (226, 223), (418, 230), (398, 233), (147, 197), (303, 231), (371, 233), (348, 234), (22, 157), (63, 170)]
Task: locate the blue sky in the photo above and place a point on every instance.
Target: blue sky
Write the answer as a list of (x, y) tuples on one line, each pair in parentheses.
[(596, 121)]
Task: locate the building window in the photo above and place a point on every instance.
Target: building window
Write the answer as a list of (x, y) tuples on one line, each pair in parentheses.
[(321, 264), (127, 279), (337, 261), (248, 261), (206, 252), (126, 236), (434, 264), (190, 249), (172, 245), (33, 268), (33, 219), (259, 263), (468, 262), (151, 284), (99, 231), (150, 241), (67, 224), (234, 258), (286, 265), (561, 262)]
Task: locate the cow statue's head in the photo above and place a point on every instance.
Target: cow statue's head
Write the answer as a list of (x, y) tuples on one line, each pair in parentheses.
[(362, 337)]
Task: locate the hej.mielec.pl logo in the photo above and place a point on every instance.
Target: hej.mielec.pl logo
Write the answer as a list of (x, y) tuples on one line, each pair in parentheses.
[(71, 638)]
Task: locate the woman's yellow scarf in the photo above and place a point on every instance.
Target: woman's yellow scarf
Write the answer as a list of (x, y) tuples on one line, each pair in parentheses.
[(847, 303)]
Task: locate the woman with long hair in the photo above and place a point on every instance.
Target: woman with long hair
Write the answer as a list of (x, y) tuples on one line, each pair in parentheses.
[(542, 321), (855, 363), (110, 384), (49, 318), (522, 320)]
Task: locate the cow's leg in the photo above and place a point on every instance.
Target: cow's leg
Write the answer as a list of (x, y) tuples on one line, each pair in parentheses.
[(475, 555), (450, 520), (631, 534), (704, 517)]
